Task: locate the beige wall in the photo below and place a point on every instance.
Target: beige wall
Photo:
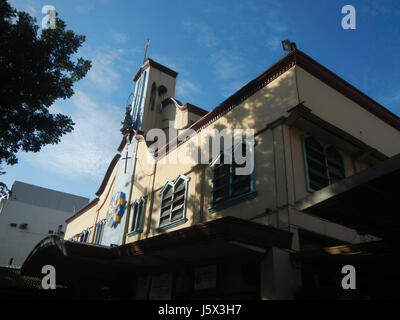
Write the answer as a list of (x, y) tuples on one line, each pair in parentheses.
[(83, 222), (279, 164), (345, 114), (152, 118), (296, 166)]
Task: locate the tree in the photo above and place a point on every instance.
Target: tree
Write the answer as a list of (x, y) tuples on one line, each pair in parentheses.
[(35, 70)]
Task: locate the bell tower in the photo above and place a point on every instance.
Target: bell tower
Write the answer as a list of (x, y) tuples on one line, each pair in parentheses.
[(154, 83)]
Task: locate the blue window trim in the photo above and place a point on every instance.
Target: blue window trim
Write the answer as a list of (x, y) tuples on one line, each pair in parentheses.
[(181, 220), (231, 201), (84, 236), (138, 101), (138, 224), (324, 147), (98, 233)]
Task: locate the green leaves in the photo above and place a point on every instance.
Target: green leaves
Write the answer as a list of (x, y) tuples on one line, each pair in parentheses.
[(35, 71)]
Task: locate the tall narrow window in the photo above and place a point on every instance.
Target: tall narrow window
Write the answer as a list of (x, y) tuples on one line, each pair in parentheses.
[(84, 236), (137, 107), (99, 231), (316, 164), (137, 209), (324, 164), (153, 95), (173, 202), (230, 188)]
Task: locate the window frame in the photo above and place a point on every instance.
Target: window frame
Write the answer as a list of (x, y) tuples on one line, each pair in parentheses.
[(153, 95), (139, 220), (324, 146), (181, 220), (84, 235), (231, 200), (99, 230)]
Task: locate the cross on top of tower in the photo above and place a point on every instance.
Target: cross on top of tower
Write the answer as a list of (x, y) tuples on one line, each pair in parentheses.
[(145, 49)]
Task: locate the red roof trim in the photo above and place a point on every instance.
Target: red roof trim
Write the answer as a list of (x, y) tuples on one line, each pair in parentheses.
[(293, 58), (156, 65), (187, 106), (108, 174), (122, 144), (345, 88), (276, 70), (196, 110)]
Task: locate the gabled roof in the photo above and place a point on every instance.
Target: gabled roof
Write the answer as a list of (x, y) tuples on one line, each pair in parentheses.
[(293, 58), (156, 65)]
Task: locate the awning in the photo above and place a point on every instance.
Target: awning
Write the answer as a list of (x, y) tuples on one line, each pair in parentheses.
[(72, 260), (227, 237), (367, 201), (217, 239)]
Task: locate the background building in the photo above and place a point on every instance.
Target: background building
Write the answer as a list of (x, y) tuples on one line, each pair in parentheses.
[(29, 215)]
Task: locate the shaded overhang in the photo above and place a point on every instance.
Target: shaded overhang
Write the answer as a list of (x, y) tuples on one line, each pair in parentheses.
[(71, 260), (305, 120), (372, 260), (368, 201), (222, 238), (219, 239)]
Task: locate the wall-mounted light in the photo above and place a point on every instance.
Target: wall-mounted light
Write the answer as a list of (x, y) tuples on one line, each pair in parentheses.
[(288, 46)]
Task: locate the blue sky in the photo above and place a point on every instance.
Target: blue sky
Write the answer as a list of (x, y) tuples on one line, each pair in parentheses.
[(216, 47)]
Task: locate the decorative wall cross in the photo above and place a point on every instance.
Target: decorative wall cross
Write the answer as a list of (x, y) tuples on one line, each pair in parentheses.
[(126, 160)]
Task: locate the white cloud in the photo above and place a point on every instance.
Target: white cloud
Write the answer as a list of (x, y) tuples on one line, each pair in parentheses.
[(28, 6), (165, 61), (104, 75), (185, 90), (202, 33), (274, 43), (230, 69), (119, 37), (87, 151), (227, 65), (84, 8)]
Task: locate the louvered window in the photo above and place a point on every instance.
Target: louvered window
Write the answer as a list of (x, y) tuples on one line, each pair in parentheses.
[(324, 164), (137, 216), (84, 236), (99, 231), (173, 202), (228, 187)]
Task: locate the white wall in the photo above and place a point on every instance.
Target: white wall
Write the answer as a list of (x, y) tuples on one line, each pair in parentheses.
[(16, 243)]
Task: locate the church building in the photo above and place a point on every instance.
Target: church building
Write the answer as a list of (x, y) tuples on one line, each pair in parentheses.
[(322, 193)]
